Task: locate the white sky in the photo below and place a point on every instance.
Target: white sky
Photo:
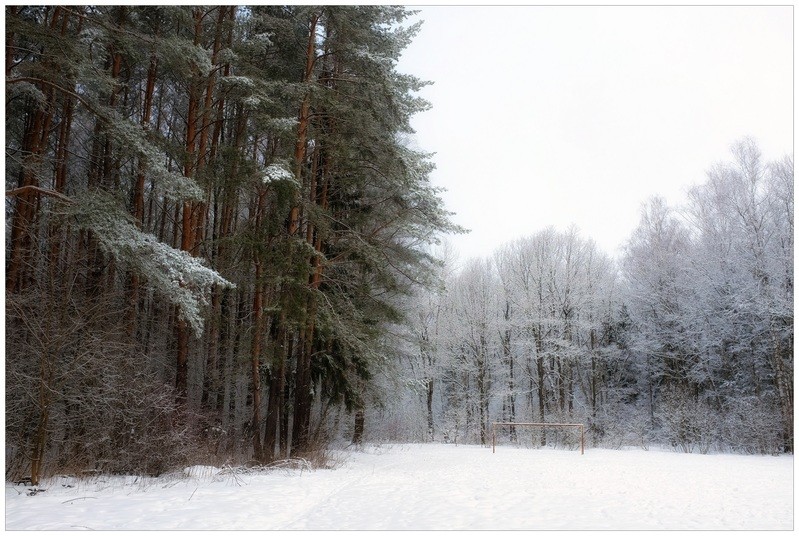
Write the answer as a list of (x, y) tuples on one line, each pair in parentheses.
[(558, 115)]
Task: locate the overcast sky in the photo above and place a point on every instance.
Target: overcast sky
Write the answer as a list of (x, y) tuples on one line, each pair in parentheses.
[(577, 115)]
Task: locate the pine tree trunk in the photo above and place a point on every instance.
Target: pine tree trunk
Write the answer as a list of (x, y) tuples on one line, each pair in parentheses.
[(301, 146), (255, 360), (276, 387), (187, 235), (285, 396), (56, 236), (302, 392), (26, 203), (360, 425), (210, 394)]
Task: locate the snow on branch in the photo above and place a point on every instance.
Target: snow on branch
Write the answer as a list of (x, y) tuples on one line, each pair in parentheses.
[(175, 186), (279, 172), (182, 279)]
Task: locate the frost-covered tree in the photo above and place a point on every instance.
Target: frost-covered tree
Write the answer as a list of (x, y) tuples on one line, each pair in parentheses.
[(742, 272), (473, 310), (654, 267), (709, 290)]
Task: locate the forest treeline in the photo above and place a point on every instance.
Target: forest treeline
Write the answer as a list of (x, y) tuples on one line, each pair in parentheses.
[(211, 212), (220, 248), (686, 340)]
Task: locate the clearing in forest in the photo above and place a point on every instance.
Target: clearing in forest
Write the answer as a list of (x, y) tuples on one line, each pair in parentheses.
[(434, 486)]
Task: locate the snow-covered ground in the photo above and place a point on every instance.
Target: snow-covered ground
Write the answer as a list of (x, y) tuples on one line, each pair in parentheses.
[(434, 487)]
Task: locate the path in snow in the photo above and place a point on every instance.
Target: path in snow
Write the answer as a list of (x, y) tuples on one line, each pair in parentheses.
[(438, 487)]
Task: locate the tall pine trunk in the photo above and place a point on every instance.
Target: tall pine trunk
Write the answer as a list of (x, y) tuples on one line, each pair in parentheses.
[(187, 235), (255, 360)]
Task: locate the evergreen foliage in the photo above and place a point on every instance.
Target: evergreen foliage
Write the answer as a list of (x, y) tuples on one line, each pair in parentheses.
[(234, 172)]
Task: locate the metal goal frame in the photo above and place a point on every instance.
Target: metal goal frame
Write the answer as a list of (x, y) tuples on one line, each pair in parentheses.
[(543, 424)]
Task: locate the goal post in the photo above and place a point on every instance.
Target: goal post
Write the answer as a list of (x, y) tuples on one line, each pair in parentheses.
[(542, 424)]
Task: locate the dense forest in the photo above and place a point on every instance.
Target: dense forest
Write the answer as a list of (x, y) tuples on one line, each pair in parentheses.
[(222, 247), (685, 341), (211, 213)]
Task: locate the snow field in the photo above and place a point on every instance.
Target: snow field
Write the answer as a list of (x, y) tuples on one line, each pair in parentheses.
[(431, 486)]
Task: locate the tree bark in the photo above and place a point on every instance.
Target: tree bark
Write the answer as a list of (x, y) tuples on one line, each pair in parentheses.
[(360, 425), (187, 235), (301, 146), (277, 383), (255, 360)]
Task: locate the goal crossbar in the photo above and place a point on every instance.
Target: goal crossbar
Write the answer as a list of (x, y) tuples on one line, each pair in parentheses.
[(544, 424)]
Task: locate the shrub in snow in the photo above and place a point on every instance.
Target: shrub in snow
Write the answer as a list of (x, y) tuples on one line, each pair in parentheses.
[(688, 423), (748, 425), (104, 409)]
